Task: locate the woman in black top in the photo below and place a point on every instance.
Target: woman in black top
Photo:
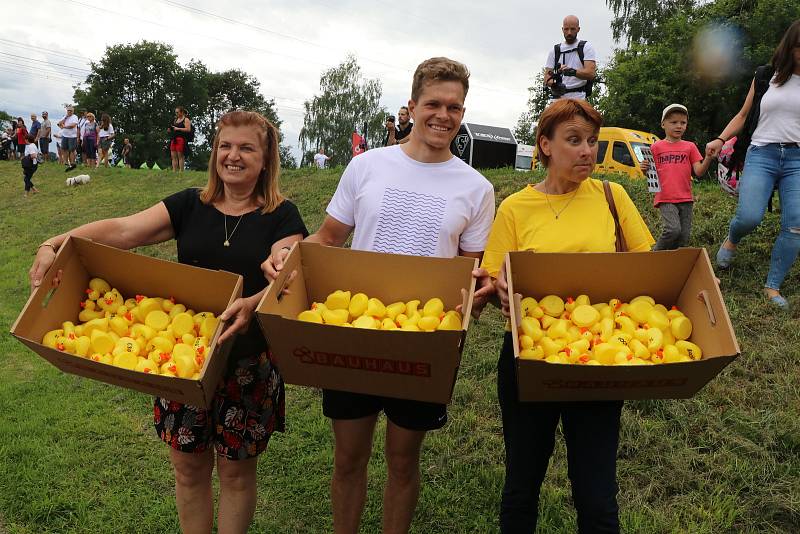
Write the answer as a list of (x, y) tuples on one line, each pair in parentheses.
[(179, 131), (234, 223)]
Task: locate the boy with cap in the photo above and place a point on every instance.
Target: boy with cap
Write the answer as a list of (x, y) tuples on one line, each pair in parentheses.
[(675, 161)]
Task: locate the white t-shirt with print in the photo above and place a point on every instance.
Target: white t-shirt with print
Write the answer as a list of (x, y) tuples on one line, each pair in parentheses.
[(70, 132), (320, 160), (401, 206), (106, 133), (571, 59)]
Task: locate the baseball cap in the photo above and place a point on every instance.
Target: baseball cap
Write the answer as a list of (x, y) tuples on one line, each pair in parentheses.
[(673, 107)]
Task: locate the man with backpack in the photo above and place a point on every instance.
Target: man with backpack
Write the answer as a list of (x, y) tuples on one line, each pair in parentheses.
[(571, 66)]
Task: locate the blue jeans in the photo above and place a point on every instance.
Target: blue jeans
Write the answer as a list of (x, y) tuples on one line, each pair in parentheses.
[(765, 167)]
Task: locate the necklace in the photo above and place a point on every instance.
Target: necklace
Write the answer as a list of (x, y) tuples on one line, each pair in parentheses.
[(227, 242), (559, 212)]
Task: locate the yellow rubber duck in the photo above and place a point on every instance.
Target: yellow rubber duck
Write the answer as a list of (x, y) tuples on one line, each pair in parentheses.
[(143, 365), (182, 323), (388, 324), (689, 349), (394, 309), (376, 308), (364, 321), (584, 315), (681, 327), (451, 321), (433, 308), (639, 310), (176, 309), (336, 316), (338, 300), (527, 306), (208, 326), (428, 323), (534, 353)]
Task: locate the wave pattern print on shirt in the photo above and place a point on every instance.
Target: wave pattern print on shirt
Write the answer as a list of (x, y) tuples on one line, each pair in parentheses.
[(409, 223)]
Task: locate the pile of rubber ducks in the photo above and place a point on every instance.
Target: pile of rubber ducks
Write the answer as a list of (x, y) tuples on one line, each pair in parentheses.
[(575, 331), (147, 334), (359, 311)]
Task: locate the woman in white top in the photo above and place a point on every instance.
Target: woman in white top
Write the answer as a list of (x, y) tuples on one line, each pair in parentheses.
[(30, 163), (106, 133), (773, 159)]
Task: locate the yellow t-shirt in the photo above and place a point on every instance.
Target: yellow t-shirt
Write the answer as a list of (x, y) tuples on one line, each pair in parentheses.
[(525, 221)]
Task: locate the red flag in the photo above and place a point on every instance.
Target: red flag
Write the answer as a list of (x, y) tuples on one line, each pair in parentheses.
[(359, 144)]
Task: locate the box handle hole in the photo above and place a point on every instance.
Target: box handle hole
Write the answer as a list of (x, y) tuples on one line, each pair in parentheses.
[(705, 298)]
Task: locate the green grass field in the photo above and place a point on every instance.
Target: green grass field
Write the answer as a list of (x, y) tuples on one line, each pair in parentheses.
[(81, 456)]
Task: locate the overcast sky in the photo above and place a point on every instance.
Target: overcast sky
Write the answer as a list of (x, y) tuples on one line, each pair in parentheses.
[(46, 45)]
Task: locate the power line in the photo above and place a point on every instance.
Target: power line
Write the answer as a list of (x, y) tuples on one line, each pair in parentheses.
[(35, 75), (42, 49), (50, 63)]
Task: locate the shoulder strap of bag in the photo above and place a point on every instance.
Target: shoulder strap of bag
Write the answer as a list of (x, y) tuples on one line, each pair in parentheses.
[(581, 44), (556, 54), (621, 246)]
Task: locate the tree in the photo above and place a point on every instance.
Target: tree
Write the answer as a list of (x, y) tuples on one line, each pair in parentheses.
[(660, 69), (538, 97), (639, 20), (4, 118), (139, 86), (347, 101)]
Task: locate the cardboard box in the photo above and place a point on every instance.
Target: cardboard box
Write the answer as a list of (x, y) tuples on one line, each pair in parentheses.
[(682, 278), (81, 259), (409, 365)]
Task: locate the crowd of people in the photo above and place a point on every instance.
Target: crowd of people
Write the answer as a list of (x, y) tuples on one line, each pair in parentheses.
[(568, 211)]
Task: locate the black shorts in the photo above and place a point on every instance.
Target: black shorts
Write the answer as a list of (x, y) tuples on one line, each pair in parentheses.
[(408, 414)]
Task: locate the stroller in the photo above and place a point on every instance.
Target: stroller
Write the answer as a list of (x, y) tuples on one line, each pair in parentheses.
[(5, 146)]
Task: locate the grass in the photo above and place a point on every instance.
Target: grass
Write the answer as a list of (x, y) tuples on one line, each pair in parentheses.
[(81, 456)]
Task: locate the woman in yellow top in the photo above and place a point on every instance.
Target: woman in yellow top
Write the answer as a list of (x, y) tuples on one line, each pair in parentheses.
[(566, 212)]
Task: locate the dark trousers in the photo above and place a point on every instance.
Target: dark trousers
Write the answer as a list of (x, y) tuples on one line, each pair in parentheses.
[(591, 431), (27, 175), (677, 221)]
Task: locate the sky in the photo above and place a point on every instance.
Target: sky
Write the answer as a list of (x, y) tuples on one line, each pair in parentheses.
[(47, 45)]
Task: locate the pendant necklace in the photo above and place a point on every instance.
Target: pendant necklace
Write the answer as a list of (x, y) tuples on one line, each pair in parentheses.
[(559, 212), (227, 242)]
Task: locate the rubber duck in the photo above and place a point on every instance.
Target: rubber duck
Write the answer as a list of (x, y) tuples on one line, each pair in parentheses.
[(101, 342), (552, 305), (606, 328), (573, 333), (547, 321), (584, 315), (570, 304), (182, 323), (433, 307), (126, 360), (530, 327), (168, 368), (620, 338), (639, 349), (410, 325), (669, 339), (168, 304), (583, 300), (623, 358), (557, 329), (376, 308), (388, 324), (605, 353), (411, 307), (428, 323), (579, 347), (626, 324), (143, 365), (157, 320), (650, 300), (689, 349), (159, 344), (50, 338), (146, 306), (89, 311), (357, 306), (335, 316), (143, 330), (534, 353), (176, 309), (639, 310), (674, 312), (208, 326), (527, 305), (655, 339), (119, 325), (110, 301), (400, 319), (525, 342), (394, 309), (183, 357), (82, 346), (338, 300), (126, 344), (656, 319), (364, 321), (549, 346), (681, 327), (604, 309), (538, 312), (452, 321)]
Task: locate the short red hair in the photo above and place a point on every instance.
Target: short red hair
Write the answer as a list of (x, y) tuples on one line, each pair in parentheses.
[(561, 111)]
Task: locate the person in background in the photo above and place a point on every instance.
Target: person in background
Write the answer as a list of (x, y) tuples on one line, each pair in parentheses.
[(30, 163), (577, 61), (22, 137), (773, 161), (179, 131), (232, 224), (69, 138), (106, 133), (35, 128), (676, 160), (320, 159), (89, 140), (127, 148), (45, 136)]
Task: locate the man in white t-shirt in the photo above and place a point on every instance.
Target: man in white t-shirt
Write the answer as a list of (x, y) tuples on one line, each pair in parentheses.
[(320, 159), (418, 199), (69, 138), (577, 64)]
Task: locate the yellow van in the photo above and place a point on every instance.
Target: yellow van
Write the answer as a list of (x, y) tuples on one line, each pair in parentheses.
[(619, 151)]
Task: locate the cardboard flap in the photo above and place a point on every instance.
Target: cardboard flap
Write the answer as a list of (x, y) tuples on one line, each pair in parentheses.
[(467, 297), (274, 301)]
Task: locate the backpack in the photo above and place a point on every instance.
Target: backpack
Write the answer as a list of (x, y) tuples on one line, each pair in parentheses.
[(587, 88), (733, 161)]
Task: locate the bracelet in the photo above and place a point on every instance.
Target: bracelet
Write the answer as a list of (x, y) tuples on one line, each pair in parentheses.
[(721, 139), (55, 250)]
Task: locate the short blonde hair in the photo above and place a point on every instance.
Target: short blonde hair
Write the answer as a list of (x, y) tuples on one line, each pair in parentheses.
[(439, 69), (267, 185)]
